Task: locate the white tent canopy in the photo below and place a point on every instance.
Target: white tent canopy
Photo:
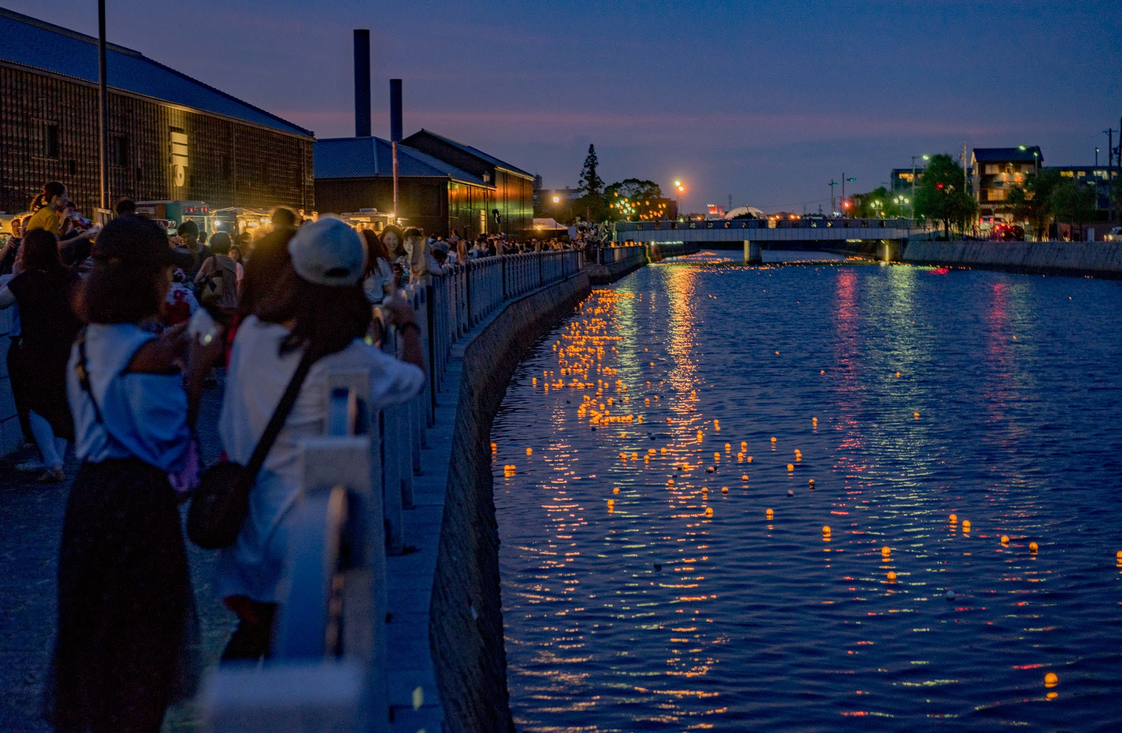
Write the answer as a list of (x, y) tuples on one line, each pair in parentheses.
[(745, 211), (548, 225)]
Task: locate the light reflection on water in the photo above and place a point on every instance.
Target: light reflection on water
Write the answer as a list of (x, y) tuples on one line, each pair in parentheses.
[(654, 616)]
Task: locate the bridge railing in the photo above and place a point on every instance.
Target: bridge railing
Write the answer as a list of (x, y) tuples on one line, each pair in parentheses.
[(612, 255), (328, 668), (749, 224)]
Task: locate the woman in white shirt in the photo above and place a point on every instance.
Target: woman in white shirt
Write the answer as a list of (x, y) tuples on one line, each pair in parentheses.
[(125, 604), (321, 311)]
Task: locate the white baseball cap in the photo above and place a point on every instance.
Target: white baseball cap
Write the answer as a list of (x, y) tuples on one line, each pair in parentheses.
[(328, 252)]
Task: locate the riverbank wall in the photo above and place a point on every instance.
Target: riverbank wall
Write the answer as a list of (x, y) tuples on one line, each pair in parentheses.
[(466, 626), (1096, 259)]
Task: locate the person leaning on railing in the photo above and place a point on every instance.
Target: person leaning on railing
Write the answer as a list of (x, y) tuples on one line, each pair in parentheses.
[(315, 309), (125, 604)]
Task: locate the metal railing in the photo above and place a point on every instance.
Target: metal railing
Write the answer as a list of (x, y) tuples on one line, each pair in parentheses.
[(612, 255), (328, 668)]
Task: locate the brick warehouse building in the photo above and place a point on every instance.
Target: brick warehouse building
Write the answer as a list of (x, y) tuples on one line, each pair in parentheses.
[(170, 137)]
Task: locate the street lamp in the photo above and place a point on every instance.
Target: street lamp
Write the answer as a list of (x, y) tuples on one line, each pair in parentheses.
[(925, 157), (681, 189), (844, 179), (556, 199)]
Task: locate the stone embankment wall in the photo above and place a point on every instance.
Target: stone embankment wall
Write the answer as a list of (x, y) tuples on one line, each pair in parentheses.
[(1100, 259), (658, 251), (466, 628)]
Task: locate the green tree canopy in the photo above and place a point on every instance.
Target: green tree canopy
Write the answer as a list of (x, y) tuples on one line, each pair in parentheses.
[(878, 204), (1032, 202), (942, 194), (1073, 203), (633, 199)]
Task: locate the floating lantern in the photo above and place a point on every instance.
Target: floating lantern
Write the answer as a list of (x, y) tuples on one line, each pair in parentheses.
[(494, 447), (744, 477), (728, 447), (708, 511), (915, 415), (769, 514), (891, 576), (966, 525), (953, 518), (885, 551), (698, 436), (1033, 547), (790, 493), (1005, 539), (773, 440), (749, 459), (529, 451), (897, 373), (662, 451), (724, 489), (1118, 556), (814, 420), (743, 445), (790, 466), (826, 530), (1051, 679), (615, 490), (812, 484), (670, 482), (634, 456), (611, 504), (716, 457)]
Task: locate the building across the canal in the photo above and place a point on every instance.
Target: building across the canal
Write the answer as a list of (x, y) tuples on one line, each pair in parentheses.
[(996, 170), (171, 137)]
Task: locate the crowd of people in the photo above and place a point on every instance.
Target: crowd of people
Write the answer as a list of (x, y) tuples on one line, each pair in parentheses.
[(117, 332)]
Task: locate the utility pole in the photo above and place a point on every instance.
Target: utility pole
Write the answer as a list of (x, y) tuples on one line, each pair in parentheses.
[(832, 207), (103, 109), (1109, 151)]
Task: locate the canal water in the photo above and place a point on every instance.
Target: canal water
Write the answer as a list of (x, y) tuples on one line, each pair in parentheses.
[(907, 394)]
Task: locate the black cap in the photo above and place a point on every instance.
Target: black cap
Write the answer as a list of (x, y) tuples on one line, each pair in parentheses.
[(133, 238)]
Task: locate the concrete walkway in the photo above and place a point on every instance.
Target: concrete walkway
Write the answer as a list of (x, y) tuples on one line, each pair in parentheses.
[(31, 516)]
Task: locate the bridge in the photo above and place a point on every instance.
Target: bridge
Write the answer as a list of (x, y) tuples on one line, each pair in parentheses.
[(890, 234)]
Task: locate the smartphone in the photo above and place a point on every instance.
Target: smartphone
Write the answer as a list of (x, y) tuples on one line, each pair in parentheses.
[(203, 327)]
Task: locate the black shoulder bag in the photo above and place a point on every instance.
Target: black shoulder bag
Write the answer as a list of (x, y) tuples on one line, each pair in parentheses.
[(221, 503)]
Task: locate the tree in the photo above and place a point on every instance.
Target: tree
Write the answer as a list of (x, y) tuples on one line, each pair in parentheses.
[(1073, 203), (1033, 201), (942, 194), (591, 188), (632, 199), (876, 204)]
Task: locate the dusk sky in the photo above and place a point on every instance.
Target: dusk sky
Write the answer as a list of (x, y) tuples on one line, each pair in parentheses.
[(766, 101)]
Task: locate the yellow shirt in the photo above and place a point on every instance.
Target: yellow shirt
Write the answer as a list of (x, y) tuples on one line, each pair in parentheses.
[(44, 218)]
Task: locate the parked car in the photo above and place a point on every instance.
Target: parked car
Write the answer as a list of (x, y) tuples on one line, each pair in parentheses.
[(1007, 233)]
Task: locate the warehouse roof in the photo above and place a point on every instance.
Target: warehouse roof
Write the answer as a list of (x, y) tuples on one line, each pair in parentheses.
[(1008, 155), (490, 159), (39, 45), (372, 157)]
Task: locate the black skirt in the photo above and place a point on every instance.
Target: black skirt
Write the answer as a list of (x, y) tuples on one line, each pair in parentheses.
[(125, 605)]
